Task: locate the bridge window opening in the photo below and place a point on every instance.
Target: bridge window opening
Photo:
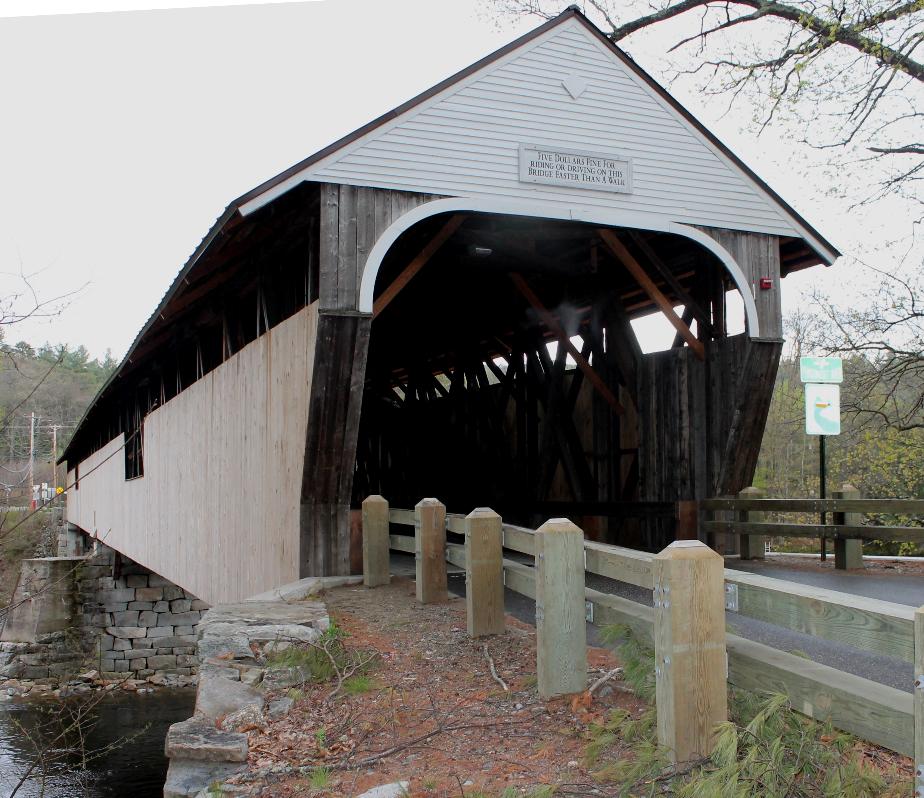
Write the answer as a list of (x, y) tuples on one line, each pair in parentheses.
[(510, 372)]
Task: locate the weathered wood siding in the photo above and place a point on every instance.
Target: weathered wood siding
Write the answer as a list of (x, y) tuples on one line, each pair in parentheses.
[(217, 510), (330, 449), (352, 220), (465, 141), (701, 423), (758, 256)]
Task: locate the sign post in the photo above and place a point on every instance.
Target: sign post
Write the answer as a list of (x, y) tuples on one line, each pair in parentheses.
[(822, 377)]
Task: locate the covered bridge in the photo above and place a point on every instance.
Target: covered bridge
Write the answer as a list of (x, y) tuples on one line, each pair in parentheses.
[(439, 304)]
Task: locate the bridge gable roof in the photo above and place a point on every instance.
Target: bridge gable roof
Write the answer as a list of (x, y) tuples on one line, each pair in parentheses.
[(565, 87)]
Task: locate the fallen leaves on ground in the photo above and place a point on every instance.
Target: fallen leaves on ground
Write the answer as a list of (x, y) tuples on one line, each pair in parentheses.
[(434, 715)]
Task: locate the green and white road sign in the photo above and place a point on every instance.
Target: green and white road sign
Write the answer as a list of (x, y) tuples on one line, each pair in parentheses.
[(821, 369), (822, 409)]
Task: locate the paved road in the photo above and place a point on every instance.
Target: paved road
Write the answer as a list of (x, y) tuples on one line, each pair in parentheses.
[(901, 589)]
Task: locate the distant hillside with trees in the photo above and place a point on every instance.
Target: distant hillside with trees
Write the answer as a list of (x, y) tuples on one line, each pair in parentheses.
[(56, 382)]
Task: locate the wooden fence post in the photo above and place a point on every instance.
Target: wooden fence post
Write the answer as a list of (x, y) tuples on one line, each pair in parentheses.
[(376, 544), (430, 550), (751, 546), (919, 702), (561, 632), (847, 553), (484, 572), (690, 661)]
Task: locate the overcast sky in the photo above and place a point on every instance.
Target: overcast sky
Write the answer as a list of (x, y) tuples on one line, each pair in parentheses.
[(125, 134)]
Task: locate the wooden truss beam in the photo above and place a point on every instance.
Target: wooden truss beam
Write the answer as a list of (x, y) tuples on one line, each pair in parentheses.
[(701, 316), (549, 320), (417, 264), (641, 277), (687, 317)]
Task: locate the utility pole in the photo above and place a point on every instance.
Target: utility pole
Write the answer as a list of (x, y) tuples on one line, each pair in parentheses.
[(32, 459), (54, 457)]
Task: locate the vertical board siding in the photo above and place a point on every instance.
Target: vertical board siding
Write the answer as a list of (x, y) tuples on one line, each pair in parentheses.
[(758, 256), (352, 220), (465, 142), (701, 423), (217, 510), (330, 443)]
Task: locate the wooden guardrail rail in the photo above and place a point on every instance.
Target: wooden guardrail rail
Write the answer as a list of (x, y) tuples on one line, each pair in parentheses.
[(878, 713), (844, 509)]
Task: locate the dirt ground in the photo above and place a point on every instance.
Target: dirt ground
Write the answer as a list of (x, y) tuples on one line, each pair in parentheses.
[(434, 715)]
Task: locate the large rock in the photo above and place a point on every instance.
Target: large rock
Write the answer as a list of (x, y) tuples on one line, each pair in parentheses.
[(187, 777), (397, 789), (309, 586), (198, 739), (220, 696), (118, 595), (282, 678), (125, 618), (149, 594), (223, 639), (126, 632), (162, 661)]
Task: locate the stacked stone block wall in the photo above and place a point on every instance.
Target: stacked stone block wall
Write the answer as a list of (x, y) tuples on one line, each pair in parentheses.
[(138, 623), (121, 620)]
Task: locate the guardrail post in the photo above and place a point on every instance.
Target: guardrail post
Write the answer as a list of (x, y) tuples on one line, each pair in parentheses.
[(561, 632), (690, 662), (919, 702), (376, 544), (751, 546), (847, 553), (484, 572), (430, 550)]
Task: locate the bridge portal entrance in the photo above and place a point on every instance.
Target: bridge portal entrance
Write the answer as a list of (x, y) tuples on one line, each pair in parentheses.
[(504, 370)]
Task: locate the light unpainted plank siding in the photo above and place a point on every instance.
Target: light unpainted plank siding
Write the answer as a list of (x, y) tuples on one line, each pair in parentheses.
[(465, 141), (217, 510)]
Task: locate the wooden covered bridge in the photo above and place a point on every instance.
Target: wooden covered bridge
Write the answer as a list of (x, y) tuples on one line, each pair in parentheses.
[(440, 304)]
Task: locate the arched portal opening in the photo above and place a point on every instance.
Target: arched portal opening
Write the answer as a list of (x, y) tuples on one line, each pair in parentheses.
[(504, 370)]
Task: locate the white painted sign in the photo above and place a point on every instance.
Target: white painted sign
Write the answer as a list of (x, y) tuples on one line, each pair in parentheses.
[(561, 167), (821, 369), (822, 409)]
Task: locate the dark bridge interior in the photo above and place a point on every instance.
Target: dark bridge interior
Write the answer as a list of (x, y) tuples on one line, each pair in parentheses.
[(473, 396)]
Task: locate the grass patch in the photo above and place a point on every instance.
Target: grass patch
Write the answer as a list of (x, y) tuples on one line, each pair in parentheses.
[(359, 684), (765, 750), (327, 659), (319, 779)]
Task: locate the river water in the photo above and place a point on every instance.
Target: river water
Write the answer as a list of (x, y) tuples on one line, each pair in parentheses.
[(134, 725)]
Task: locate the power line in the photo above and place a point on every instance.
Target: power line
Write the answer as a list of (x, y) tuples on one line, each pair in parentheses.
[(56, 496)]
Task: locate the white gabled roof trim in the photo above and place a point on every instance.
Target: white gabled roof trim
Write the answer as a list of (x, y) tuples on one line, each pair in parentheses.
[(313, 171), (550, 211)]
